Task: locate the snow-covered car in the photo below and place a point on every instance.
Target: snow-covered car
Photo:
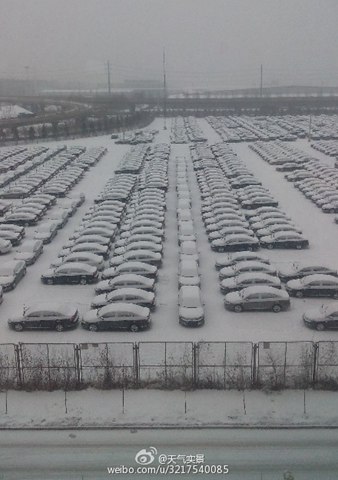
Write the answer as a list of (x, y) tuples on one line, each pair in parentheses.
[(5, 246), (125, 295), (244, 280), (245, 267), (29, 251), (146, 256), (233, 258), (188, 273), (83, 257), (235, 243), (257, 298), (49, 316), (140, 268), (117, 316), (322, 318), (317, 285), (284, 240), (46, 232), (125, 280), (299, 270), (11, 272), (71, 273), (190, 306)]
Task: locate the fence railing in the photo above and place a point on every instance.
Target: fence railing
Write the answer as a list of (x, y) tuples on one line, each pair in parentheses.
[(169, 365)]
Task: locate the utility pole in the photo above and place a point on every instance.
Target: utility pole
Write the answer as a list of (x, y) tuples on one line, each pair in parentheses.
[(108, 78), (261, 84), (164, 92)]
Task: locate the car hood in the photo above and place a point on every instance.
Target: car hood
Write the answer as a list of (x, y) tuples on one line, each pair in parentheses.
[(314, 315), (228, 282), (233, 297), (90, 316), (6, 280), (294, 284), (99, 300), (288, 270), (191, 313), (103, 285)]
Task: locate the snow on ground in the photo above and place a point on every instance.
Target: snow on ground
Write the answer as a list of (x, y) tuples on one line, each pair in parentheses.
[(220, 324), (146, 407)]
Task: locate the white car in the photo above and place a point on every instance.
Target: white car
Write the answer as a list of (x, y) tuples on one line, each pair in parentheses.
[(5, 246), (190, 306)]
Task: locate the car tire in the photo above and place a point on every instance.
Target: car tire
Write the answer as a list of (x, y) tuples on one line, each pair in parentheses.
[(299, 247), (276, 308), (335, 295), (18, 327), (134, 328), (83, 281), (238, 308), (249, 249), (299, 294), (49, 281), (59, 327), (320, 327), (269, 246), (92, 327)]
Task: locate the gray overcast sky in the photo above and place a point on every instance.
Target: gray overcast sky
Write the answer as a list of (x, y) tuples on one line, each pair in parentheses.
[(208, 42)]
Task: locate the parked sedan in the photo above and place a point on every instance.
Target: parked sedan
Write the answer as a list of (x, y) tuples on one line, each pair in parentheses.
[(83, 257), (29, 251), (235, 243), (46, 232), (71, 273), (233, 258), (146, 256), (5, 246), (317, 285), (284, 240), (117, 316), (140, 268), (126, 295), (323, 318), (244, 280), (46, 317), (129, 280), (298, 270), (243, 267), (257, 298), (11, 273)]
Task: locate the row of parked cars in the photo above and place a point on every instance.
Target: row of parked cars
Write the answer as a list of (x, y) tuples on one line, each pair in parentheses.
[(315, 179), (191, 307), (126, 294)]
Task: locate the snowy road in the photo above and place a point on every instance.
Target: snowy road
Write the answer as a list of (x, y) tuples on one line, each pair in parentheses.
[(250, 454)]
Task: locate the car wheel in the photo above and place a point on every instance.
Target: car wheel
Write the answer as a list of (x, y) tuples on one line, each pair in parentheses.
[(276, 308), (249, 249), (134, 328), (270, 246), (49, 281), (299, 294), (320, 327), (335, 295), (238, 308), (299, 247), (59, 327), (83, 281), (18, 327), (93, 327)]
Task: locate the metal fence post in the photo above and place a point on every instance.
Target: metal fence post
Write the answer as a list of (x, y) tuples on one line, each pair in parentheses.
[(255, 354), (136, 350), (195, 350), (315, 363), (17, 351), (77, 354)]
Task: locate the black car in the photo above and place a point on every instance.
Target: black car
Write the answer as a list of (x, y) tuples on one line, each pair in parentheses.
[(317, 285), (71, 273), (46, 317), (284, 240)]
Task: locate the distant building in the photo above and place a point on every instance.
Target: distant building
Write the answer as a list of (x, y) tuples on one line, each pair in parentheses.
[(13, 111)]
